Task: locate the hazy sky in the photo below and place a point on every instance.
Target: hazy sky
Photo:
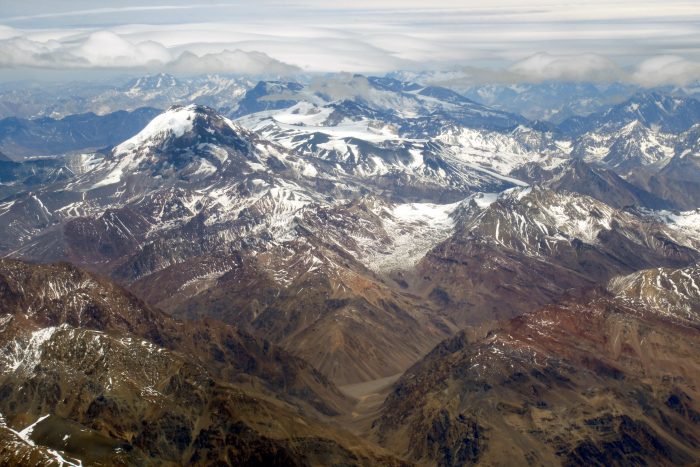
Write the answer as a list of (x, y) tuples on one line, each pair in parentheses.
[(645, 41)]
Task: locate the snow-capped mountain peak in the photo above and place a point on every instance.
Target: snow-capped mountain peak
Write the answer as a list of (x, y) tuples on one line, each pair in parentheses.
[(191, 141), (175, 122)]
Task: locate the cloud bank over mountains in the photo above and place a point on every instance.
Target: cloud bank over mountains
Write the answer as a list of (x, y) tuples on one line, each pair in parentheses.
[(105, 49), (648, 42)]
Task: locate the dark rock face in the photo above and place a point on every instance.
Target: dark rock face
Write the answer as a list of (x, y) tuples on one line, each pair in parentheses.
[(682, 403), (452, 441), (625, 442)]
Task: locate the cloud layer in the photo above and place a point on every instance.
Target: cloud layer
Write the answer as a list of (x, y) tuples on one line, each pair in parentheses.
[(584, 67), (105, 49), (667, 69), (645, 41)]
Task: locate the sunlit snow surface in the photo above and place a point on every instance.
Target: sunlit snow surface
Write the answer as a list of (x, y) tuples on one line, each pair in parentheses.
[(175, 122), (307, 118), (686, 221)]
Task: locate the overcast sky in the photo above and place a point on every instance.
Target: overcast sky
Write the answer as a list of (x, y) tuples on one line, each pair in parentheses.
[(650, 42)]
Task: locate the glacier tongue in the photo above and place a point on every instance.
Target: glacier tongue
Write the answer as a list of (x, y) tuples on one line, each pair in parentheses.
[(412, 229)]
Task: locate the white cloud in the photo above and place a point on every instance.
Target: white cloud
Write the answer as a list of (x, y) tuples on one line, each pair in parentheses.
[(667, 69), (7, 32), (107, 50), (231, 61), (584, 67), (22, 52), (342, 86)]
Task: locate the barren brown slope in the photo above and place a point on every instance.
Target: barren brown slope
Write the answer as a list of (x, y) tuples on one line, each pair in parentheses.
[(57, 294), (589, 381), (117, 399), (331, 310), (140, 388)]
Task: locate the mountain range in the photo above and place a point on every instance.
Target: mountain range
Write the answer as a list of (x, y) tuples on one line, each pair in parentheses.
[(349, 271)]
